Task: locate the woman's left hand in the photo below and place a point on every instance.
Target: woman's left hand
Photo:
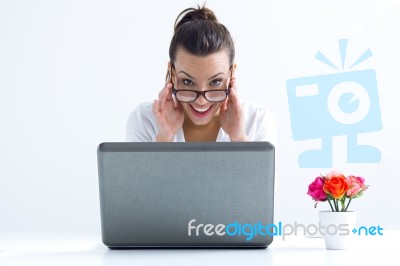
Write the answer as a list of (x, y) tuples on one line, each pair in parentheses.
[(231, 115)]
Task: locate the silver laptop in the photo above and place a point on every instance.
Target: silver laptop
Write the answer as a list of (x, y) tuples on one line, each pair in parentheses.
[(218, 194)]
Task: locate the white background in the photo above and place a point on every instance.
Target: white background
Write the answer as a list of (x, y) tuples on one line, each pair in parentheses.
[(72, 71)]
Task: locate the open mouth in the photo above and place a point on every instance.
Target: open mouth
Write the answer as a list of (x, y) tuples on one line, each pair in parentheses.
[(201, 112)]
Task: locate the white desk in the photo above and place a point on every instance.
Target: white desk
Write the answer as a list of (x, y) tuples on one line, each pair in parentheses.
[(69, 249)]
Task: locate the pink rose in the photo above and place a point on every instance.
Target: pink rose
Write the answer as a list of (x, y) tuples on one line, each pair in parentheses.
[(315, 189), (356, 185)]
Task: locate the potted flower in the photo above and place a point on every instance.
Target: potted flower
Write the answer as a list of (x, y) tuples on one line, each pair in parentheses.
[(338, 190)]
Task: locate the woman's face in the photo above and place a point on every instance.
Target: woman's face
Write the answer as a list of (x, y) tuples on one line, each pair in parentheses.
[(201, 73)]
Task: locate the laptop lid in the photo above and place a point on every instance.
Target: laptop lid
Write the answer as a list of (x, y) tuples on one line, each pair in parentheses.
[(218, 194)]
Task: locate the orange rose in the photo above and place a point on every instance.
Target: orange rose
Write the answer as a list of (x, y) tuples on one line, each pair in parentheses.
[(336, 186), (334, 173)]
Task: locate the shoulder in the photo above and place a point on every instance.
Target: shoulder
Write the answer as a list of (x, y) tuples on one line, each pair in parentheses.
[(142, 110), (141, 125), (253, 111), (146, 106), (260, 122)]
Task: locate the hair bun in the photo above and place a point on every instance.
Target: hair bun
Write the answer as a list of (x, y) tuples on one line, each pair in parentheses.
[(191, 14)]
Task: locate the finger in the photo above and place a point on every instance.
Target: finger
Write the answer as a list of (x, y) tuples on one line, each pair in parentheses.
[(233, 95), (162, 90), (234, 104), (179, 106), (169, 92), (223, 110), (155, 108), (225, 104), (163, 98), (232, 83), (175, 102), (168, 78)]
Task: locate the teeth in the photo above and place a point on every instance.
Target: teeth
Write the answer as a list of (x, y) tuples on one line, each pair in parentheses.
[(201, 110)]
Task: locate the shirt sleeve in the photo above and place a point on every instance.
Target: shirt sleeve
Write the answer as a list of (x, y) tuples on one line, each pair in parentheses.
[(266, 127), (141, 125), (261, 124)]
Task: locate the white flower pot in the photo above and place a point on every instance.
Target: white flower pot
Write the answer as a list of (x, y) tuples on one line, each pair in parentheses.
[(337, 228)]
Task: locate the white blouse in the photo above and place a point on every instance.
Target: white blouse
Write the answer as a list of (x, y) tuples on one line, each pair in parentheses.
[(260, 125)]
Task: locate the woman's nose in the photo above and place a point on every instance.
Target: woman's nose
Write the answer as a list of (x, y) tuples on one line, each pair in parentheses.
[(201, 100)]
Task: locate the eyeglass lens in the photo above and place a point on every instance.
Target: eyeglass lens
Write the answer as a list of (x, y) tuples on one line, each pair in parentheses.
[(211, 96)]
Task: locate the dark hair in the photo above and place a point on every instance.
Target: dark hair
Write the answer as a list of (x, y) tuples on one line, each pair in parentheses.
[(198, 31)]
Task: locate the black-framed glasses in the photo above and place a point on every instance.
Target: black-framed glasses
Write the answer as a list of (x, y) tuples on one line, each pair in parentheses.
[(188, 96)]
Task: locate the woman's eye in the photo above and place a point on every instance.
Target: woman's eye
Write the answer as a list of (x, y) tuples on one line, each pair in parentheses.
[(188, 82), (216, 82)]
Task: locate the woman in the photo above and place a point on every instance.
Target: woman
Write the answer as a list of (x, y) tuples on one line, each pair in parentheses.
[(199, 101)]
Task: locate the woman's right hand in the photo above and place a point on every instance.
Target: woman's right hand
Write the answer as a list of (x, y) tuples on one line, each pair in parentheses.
[(169, 115)]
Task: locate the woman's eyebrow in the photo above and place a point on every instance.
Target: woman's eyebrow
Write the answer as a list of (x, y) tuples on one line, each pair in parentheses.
[(186, 74), (216, 75), (194, 78)]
